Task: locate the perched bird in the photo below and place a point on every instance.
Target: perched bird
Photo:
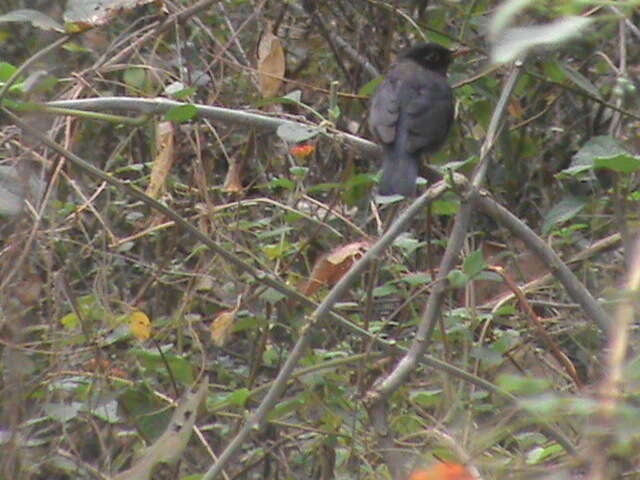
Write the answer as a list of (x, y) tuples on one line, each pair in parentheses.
[(411, 114)]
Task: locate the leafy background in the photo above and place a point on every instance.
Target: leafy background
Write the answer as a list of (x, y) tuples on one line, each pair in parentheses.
[(110, 309)]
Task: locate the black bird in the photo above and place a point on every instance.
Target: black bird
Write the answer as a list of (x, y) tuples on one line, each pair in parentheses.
[(411, 113)]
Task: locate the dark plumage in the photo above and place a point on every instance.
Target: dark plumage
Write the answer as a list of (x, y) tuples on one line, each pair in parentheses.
[(411, 114)]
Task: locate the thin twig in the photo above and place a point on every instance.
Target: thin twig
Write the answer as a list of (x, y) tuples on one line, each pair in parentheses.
[(558, 268), (539, 327)]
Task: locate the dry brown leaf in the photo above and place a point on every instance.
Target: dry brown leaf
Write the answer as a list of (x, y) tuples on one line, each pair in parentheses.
[(351, 251), (515, 109), (164, 158), (233, 180), (29, 290), (330, 268), (271, 64)]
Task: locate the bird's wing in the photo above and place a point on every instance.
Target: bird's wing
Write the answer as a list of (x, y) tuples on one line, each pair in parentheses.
[(429, 114), (384, 112)]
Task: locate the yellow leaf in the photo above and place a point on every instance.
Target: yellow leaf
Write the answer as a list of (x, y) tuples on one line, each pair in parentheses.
[(221, 327), (140, 325)]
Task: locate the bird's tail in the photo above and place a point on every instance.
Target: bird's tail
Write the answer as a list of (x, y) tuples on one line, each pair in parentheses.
[(399, 173)]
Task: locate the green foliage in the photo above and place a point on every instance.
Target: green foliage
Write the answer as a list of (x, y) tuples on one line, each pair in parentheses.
[(181, 114)]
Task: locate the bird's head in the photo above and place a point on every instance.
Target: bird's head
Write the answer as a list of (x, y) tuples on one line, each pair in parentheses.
[(429, 55)]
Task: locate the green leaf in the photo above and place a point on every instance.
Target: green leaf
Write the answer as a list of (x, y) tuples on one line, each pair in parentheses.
[(295, 133), (458, 164), (488, 276), (519, 385), (276, 250), (323, 187), (407, 243), (599, 146), (74, 47), (387, 199), (6, 70), (539, 454), (445, 207), (238, 397), (581, 81), (553, 71), (334, 113), (179, 91), (63, 412), (107, 411), (145, 410), (370, 87), (135, 77), (282, 183), (457, 279), (474, 264), (285, 407), (601, 151), (299, 172), (426, 398), (489, 356), (245, 322), (417, 279), (181, 368), (181, 113), (622, 162), (70, 321), (561, 212), (272, 296), (294, 96), (276, 232), (384, 290), (170, 446), (356, 187), (512, 43)]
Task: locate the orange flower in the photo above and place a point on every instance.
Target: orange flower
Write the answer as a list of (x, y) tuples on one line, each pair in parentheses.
[(443, 471), (303, 151)]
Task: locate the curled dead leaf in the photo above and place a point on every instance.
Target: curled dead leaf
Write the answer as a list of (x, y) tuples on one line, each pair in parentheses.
[(29, 290), (515, 109), (330, 268), (271, 64), (233, 180), (222, 325), (164, 159)]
